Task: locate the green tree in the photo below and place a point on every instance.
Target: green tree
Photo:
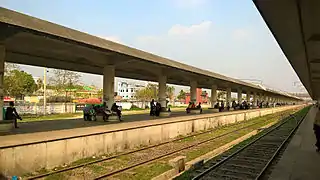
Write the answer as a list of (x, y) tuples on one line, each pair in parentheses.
[(148, 93), (19, 84), (39, 83), (182, 95), (64, 79), (10, 67), (170, 92), (221, 94)]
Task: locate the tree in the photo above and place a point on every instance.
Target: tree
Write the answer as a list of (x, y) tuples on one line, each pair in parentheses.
[(63, 79), (221, 94), (151, 92), (19, 83), (39, 83), (147, 93), (10, 67), (170, 92), (182, 95)]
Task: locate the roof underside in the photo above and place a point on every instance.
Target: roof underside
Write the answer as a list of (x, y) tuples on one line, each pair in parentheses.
[(32, 41), (296, 26)]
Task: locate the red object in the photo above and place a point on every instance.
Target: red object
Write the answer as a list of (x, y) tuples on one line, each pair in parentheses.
[(90, 101), (7, 99), (201, 97)]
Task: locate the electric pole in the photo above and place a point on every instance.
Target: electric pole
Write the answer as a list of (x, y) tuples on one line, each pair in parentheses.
[(44, 91)]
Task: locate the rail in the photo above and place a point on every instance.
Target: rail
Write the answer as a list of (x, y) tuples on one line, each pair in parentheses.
[(253, 159)]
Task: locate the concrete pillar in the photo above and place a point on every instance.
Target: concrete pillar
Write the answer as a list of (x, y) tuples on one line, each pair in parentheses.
[(162, 91), (2, 59), (239, 96), (108, 85), (248, 97), (193, 91), (228, 103), (254, 99), (213, 95)]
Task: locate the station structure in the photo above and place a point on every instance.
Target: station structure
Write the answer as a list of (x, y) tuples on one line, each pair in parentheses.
[(295, 26), (31, 41)]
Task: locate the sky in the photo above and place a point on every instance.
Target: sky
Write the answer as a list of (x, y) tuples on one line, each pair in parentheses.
[(224, 36)]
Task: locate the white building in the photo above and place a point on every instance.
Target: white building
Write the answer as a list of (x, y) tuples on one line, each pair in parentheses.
[(127, 90)]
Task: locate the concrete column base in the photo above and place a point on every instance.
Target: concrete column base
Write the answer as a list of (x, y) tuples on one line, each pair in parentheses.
[(213, 110), (178, 163), (195, 111), (6, 126), (165, 114), (113, 118)]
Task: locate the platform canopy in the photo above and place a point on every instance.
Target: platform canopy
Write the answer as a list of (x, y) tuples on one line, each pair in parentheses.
[(296, 26), (33, 41)]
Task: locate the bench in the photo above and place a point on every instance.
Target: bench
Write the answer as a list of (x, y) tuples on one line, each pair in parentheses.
[(195, 111), (112, 117), (6, 125)]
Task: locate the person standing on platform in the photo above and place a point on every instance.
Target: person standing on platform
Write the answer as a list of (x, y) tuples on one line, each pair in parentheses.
[(12, 114), (152, 108), (316, 128)]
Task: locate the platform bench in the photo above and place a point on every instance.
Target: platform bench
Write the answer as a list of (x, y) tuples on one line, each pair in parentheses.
[(195, 111)]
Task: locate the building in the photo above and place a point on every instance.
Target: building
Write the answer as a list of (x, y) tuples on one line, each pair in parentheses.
[(202, 96), (127, 90)]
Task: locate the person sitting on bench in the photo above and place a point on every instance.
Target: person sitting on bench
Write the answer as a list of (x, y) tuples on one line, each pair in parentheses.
[(115, 108), (12, 114), (199, 107)]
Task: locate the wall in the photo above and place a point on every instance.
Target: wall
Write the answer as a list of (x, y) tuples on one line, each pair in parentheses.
[(52, 108), (22, 159)]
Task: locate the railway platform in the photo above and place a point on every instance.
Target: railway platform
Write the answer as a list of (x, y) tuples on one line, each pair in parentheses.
[(39, 131), (300, 159), (64, 146)]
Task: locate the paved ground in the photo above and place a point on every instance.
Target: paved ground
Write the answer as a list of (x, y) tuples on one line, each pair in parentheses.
[(52, 125), (51, 130), (300, 160)]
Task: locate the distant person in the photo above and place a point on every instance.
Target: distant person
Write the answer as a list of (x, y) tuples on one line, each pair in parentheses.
[(222, 106), (189, 107), (216, 106), (86, 112), (158, 109), (105, 111), (12, 114), (93, 113), (152, 108), (116, 108), (199, 107), (234, 105), (316, 128), (193, 105)]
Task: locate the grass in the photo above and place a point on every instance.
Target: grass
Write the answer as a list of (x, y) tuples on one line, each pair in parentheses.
[(30, 118), (188, 173), (203, 149), (158, 167), (146, 172), (64, 116), (199, 151)]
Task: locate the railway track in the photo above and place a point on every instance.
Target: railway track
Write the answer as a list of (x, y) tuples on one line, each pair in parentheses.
[(251, 161), (117, 171)]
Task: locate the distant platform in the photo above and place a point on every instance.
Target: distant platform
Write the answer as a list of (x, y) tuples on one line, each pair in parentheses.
[(300, 159), (32, 132)]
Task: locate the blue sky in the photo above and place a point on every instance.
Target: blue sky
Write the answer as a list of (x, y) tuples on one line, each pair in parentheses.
[(224, 36)]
